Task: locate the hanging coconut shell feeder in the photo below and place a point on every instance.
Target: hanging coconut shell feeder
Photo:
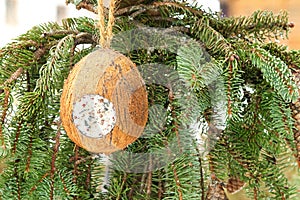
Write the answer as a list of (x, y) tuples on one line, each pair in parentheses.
[(104, 105)]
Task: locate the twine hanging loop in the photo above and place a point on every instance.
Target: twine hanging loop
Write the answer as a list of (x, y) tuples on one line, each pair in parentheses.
[(106, 31)]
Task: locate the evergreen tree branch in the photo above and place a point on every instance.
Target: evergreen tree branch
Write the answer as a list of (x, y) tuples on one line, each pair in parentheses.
[(290, 57), (260, 24), (179, 5), (253, 145), (277, 73), (214, 42)]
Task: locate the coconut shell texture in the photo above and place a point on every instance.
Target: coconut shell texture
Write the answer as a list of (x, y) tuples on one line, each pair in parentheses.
[(113, 76)]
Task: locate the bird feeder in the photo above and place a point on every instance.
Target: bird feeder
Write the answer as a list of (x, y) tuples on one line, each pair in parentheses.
[(104, 105)]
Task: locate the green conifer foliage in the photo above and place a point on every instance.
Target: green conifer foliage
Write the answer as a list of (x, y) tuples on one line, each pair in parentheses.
[(221, 99)]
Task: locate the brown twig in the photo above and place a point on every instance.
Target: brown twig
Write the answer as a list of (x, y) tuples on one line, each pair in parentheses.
[(230, 72), (122, 186), (132, 189), (17, 178), (143, 178), (138, 12), (177, 182), (80, 37), (255, 195), (28, 81), (173, 113), (17, 137), (130, 9), (4, 112), (72, 53), (75, 172), (29, 154), (85, 38), (81, 159), (178, 5), (88, 6), (21, 45), (35, 186), (160, 187), (84, 4), (14, 76), (55, 151), (167, 19), (64, 185), (149, 179), (143, 8), (59, 32), (201, 175), (88, 177)]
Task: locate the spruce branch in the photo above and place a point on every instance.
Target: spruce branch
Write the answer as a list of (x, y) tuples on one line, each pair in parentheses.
[(181, 6), (154, 9), (276, 72), (253, 145), (260, 24), (290, 57), (214, 41)]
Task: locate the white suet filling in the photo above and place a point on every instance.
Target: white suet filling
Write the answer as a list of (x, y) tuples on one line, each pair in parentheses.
[(94, 116)]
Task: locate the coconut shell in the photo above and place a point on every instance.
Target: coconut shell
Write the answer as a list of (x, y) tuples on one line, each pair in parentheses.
[(113, 76)]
